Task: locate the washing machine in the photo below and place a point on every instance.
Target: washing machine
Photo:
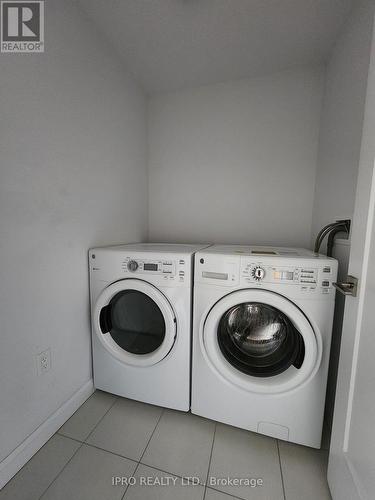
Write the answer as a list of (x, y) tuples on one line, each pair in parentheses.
[(261, 339), (141, 306)]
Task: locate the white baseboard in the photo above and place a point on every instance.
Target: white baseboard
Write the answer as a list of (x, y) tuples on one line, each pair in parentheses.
[(22, 454)]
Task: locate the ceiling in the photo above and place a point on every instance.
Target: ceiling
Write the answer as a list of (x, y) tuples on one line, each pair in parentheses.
[(173, 44)]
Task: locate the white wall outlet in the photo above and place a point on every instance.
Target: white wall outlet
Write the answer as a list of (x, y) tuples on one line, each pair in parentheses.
[(43, 360)]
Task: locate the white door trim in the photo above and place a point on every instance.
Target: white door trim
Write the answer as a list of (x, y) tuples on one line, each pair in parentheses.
[(361, 301), (344, 472)]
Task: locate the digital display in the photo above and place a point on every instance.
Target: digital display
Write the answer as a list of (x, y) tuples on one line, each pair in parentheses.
[(215, 276), (283, 275), (150, 267)]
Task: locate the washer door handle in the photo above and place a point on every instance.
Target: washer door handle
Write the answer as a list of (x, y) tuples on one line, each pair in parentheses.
[(105, 319)]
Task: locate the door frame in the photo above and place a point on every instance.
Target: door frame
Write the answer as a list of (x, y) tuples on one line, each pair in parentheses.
[(342, 480)]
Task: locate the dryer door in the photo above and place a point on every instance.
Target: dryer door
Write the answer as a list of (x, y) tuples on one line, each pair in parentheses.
[(260, 341), (135, 322)]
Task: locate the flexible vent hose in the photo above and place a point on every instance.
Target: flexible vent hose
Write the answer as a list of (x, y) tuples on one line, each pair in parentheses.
[(331, 229)]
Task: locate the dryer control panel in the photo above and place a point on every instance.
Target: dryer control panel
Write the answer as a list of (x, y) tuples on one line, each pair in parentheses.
[(167, 269), (136, 265)]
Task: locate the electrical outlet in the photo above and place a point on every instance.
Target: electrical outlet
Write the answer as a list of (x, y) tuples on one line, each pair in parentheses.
[(43, 361)]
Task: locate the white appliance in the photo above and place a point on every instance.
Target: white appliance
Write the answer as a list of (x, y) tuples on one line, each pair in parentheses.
[(141, 321), (261, 339)]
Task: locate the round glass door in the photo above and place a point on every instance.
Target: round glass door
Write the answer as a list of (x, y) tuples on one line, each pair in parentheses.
[(135, 322), (259, 340)]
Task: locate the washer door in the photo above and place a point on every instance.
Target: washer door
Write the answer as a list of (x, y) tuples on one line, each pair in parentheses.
[(260, 341), (135, 322)]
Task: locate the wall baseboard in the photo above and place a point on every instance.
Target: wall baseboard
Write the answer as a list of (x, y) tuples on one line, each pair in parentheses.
[(22, 454)]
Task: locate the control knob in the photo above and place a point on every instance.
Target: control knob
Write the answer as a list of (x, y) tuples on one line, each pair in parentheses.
[(132, 265), (258, 273)]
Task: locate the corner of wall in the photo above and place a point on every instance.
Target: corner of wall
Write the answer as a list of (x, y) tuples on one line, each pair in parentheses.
[(22, 454)]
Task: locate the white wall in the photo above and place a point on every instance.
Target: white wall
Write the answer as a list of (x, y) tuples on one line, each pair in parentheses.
[(73, 175), (236, 162), (342, 119)]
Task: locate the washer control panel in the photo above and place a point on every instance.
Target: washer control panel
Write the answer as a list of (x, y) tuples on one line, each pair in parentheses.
[(275, 273), (309, 278)]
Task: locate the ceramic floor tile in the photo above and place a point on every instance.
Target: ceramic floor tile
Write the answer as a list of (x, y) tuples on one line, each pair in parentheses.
[(83, 421), (126, 428), (217, 495), (35, 477), (152, 484), (181, 445), (245, 456), (304, 472), (88, 476)]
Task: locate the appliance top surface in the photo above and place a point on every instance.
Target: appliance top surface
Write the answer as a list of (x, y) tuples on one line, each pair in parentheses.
[(265, 251), (167, 248)]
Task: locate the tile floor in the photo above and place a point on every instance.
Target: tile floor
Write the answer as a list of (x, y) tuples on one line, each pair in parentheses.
[(110, 436)]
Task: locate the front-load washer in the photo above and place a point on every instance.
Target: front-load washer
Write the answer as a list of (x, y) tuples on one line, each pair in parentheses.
[(141, 300), (261, 339)]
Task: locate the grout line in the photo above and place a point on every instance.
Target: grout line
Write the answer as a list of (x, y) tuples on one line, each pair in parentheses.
[(68, 437), (139, 462), (101, 448), (281, 469), (111, 452), (144, 451), (70, 459), (211, 451), (96, 425), (153, 432), (127, 486), (229, 495), (77, 450), (174, 473), (166, 472)]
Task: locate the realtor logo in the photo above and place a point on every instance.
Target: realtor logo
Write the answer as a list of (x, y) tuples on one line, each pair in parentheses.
[(22, 26)]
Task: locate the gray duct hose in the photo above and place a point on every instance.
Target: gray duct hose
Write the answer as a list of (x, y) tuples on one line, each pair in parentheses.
[(331, 238), (323, 233)]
